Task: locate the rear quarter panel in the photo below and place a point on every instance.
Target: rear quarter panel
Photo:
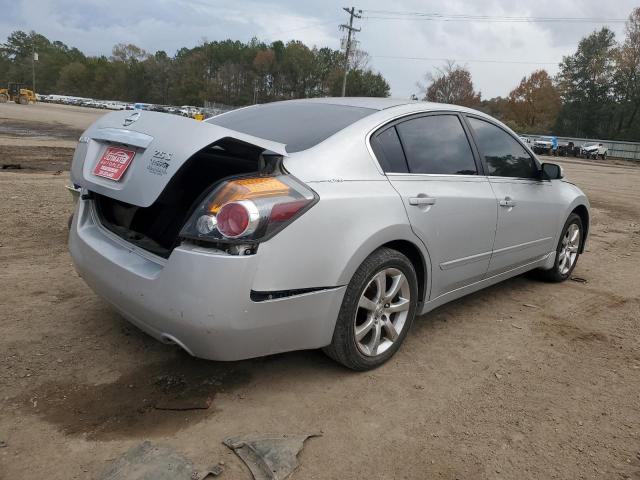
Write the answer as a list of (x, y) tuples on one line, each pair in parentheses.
[(326, 245)]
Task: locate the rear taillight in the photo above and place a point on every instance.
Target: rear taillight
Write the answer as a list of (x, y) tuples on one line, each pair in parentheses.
[(249, 209)]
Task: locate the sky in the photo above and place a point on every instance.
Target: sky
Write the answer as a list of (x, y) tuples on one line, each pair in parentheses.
[(95, 26)]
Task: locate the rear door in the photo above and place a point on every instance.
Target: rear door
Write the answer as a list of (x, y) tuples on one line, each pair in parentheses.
[(527, 206), (430, 162)]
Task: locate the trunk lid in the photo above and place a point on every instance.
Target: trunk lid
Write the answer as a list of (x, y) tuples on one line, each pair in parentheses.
[(162, 144)]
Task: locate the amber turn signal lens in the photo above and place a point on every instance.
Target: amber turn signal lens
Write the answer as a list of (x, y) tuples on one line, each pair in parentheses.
[(247, 188)]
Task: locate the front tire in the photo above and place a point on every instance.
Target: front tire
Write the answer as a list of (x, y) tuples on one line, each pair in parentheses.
[(377, 311), (567, 251)]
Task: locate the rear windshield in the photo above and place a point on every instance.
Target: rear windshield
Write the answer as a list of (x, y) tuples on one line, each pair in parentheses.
[(299, 125)]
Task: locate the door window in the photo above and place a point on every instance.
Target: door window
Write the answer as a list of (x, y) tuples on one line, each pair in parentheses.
[(504, 156), (437, 144)]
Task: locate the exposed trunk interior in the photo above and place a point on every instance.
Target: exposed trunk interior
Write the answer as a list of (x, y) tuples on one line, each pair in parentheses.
[(156, 228)]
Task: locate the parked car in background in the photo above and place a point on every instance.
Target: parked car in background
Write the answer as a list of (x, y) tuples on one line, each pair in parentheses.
[(527, 141), (594, 151), (142, 106), (115, 106), (188, 111), (565, 149), (542, 145), (320, 223)]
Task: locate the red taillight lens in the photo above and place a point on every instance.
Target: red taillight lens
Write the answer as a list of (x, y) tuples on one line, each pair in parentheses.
[(233, 220), (282, 212), (237, 219), (250, 209)]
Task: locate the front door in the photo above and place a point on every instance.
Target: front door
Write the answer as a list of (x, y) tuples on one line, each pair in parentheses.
[(527, 219)]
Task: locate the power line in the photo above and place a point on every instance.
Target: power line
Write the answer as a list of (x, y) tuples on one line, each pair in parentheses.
[(400, 15), (277, 32), (472, 60)]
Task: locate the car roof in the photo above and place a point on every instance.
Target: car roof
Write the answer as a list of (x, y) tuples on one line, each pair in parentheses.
[(374, 103)]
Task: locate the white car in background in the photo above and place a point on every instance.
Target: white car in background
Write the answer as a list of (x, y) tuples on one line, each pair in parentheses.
[(115, 106), (188, 111), (593, 150), (542, 145)]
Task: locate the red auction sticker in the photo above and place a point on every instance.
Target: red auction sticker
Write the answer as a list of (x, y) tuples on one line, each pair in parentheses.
[(114, 163)]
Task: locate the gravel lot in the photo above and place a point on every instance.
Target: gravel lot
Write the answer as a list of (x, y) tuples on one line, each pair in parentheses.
[(524, 380)]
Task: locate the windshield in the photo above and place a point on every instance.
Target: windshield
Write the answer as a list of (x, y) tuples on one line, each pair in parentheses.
[(299, 125)]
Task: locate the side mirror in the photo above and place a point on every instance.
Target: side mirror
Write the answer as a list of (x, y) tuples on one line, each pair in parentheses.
[(551, 171)]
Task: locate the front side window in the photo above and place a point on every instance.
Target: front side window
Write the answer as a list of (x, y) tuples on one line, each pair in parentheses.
[(504, 156), (437, 144)]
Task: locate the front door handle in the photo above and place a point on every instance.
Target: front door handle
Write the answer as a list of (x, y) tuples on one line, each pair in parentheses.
[(507, 202), (422, 201)]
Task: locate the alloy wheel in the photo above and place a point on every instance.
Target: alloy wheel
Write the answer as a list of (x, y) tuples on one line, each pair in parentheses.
[(382, 312), (569, 249)]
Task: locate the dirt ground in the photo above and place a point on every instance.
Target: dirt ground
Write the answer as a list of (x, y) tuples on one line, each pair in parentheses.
[(524, 380)]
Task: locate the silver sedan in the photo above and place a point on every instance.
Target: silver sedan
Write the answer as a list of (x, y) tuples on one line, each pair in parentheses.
[(324, 223)]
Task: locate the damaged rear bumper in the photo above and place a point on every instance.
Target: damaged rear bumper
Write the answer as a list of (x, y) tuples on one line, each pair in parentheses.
[(199, 298)]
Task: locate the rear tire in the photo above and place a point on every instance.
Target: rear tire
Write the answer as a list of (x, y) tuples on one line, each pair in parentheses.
[(567, 251), (3, 98), (377, 311)]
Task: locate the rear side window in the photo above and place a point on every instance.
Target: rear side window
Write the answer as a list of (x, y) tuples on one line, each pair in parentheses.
[(388, 150), (505, 157), (437, 144)]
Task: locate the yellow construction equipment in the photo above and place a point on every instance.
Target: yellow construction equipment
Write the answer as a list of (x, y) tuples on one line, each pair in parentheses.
[(15, 92)]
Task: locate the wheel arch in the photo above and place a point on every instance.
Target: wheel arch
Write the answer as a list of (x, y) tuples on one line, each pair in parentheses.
[(402, 239), (413, 253), (583, 212)]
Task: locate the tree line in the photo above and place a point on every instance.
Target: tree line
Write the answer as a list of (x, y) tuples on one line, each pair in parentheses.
[(596, 92), (228, 72)]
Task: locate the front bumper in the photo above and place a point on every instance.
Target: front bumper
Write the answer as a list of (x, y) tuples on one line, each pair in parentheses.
[(199, 298)]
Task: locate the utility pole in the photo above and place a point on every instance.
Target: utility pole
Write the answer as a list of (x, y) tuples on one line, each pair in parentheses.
[(350, 28), (34, 57)]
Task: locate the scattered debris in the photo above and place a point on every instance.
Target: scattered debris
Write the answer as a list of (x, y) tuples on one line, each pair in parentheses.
[(11, 166), (579, 279), (530, 305), (269, 456), (498, 376), (214, 471), (3, 444), (147, 461), (516, 326)]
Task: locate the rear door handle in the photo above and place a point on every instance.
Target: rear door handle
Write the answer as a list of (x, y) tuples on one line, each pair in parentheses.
[(507, 202), (422, 201)]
